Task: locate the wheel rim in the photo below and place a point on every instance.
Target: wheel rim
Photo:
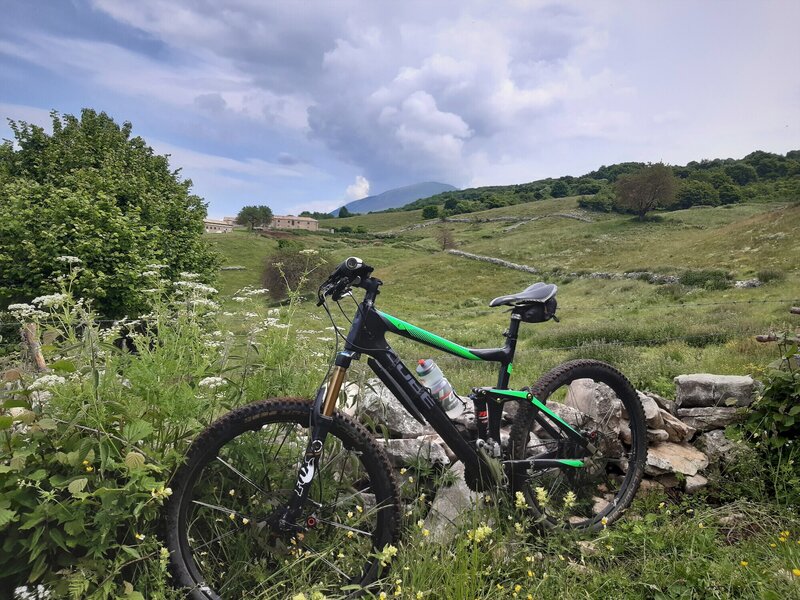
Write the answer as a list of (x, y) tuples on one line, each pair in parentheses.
[(227, 538), (589, 495)]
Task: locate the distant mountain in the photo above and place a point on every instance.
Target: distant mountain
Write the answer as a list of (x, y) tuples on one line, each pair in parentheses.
[(397, 197)]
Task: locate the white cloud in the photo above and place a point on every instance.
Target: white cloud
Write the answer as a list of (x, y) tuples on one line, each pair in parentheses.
[(359, 189)]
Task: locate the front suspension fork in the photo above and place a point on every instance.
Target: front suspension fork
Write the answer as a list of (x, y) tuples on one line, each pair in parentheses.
[(320, 423)]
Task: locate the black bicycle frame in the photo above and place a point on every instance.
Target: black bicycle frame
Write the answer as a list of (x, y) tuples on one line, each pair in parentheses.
[(367, 335)]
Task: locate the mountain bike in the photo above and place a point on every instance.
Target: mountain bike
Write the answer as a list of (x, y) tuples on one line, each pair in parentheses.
[(295, 493)]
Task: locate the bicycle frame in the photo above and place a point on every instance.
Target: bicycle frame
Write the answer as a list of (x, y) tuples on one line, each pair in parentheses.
[(367, 336)]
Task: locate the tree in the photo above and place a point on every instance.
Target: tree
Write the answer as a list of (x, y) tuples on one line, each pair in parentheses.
[(430, 212), (444, 237), (91, 191), (696, 193), (729, 194), (646, 190), (741, 173), (559, 189), (294, 269), (344, 213), (254, 216)]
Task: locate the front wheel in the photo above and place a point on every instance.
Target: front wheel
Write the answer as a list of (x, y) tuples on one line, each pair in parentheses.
[(598, 401), (223, 519)]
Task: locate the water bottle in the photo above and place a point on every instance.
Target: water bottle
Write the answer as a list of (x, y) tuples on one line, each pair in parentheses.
[(430, 375)]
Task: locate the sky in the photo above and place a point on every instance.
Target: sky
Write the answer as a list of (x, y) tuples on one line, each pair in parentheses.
[(309, 105)]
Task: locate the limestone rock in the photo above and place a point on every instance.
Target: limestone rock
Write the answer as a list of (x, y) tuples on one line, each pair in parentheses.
[(648, 486), (656, 435), (709, 417), (652, 412), (695, 483), (449, 507), (719, 449), (678, 430), (379, 406), (410, 452), (669, 457), (703, 389)]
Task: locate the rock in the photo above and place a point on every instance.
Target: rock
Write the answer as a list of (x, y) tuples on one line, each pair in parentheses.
[(587, 548), (719, 449), (596, 401), (703, 389), (510, 409), (667, 405), (648, 486), (678, 430), (708, 418), (695, 483), (450, 507), (668, 480), (652, 412), (573, 416), (410, 452), (380, 407), (748, 283), (352, 393), (656, 435), (669, 457), (731, 519)]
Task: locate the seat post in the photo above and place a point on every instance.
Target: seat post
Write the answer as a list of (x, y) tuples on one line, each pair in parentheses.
[(510, 347)]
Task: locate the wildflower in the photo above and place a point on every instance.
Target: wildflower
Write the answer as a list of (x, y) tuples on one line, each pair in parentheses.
[(360, 509), (419, 595), (309, 251), (140, 536), (411, 479), (425, 533), (211, 382), (604, 521), (701, 526), (519, 500), (661, 505), (403, 471), (300, 596), (51, 300), (569, 500), (744, 563), (530, 573), (160, 493), (785, 534), (47, 381), (480, 533), (150, 273), (519, 528), (796, 572), (541, 496), (349, 514), (232, 516), (350, 534), (517, 588), (70, 260), (245, 521), (387, 554), (382, 596), (89, 469)]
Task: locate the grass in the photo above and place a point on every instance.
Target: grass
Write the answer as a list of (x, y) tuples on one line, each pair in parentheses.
[(667, 546)]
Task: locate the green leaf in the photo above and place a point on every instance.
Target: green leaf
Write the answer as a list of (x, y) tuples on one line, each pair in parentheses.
[(47, 424), (7, 516), (134, 460), (77, 485), (16, 403), (63, 366), (136, 431), (5, 422)]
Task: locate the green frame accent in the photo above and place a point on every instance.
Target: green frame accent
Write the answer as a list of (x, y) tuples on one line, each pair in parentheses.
[(426, 337), (510, 368), (571, 462), (536, 402)]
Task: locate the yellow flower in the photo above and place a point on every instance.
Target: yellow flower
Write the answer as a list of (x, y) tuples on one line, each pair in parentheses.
[(519, 500), (604, 521), (89, 469), (231, 492), (139, 536), (403, 471), (420, 523), (569, 500), (517, 588), (784, 534), (349, 514), (410, 479), (359, 508), (425, 533), (387, 554), (86, 462), (419, 595), (701, 525), (232, 516), (744, 563), (796, 572), (773, 545), (480, 533), (299, 597), (245, 521), (350, 534), (530, 573), (541, 496)]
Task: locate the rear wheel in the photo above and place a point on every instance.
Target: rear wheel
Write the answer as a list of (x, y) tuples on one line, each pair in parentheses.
[(222, 530), (599, 402)]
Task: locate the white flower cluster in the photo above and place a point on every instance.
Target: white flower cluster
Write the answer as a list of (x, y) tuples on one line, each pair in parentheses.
[(70, 260), (47, 381), (156, 267), (25, 311), (51, 300), (190, 276), (211, 382), (150, 274), (205, 302), (309, 252), (195, 287)]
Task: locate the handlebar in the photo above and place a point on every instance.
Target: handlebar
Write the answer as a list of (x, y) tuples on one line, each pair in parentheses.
[(350, 272)]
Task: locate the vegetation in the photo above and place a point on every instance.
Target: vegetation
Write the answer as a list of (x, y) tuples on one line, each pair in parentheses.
[(92, 192), (294, 268), (254, 216), (645, 190), (319, 216)]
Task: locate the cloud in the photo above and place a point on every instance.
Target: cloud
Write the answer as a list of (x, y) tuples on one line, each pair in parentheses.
[(359, 189)]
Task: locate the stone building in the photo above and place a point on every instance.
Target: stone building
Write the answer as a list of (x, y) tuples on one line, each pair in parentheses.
[(217, 226), (291, 222)]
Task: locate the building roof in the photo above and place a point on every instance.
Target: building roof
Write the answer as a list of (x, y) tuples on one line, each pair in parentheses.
[(216, 222)]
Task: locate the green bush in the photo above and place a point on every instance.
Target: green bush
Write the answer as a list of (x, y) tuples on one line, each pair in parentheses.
[(294, 269), (770, 275), (91, 191), (710, 279)]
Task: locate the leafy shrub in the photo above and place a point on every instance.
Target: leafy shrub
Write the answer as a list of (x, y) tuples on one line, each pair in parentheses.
[(293, 268), (601, 202), (430, 212), (768, 275), (696, 193), (92, 191), (710, 279)]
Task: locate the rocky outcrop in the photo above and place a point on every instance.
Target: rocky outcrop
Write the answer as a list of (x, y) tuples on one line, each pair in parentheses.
[(380, 407), (405, 452), (449, 506), (669, 457)]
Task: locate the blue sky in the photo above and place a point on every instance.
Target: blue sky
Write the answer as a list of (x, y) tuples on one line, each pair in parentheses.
[(308, 105)]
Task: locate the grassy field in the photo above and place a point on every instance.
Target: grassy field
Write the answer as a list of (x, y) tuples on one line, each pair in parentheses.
[(653, 332)]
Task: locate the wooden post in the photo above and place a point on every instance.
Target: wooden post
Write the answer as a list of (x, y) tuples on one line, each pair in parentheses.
[(30, 335)]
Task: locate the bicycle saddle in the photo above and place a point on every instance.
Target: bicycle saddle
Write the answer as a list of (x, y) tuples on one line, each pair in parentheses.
[(538, 292)]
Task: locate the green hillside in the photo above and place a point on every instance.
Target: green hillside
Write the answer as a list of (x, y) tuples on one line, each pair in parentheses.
[(653, 332)]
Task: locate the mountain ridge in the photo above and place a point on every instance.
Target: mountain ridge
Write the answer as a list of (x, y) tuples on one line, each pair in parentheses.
[(396, 197)]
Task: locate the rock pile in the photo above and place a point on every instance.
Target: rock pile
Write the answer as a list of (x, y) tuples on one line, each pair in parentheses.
[(685, 436)]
